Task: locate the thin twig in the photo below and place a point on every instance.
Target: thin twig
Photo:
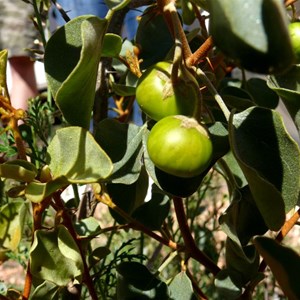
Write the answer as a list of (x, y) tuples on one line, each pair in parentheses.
[(134, 224), (214, 93), (191, 247), (200, 53), (69, 225)]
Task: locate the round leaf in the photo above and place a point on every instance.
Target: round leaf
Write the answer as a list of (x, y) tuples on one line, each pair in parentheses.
[(75, 155)]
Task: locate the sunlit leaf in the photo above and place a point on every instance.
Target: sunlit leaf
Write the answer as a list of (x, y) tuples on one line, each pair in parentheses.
[(12, 218), (54, 256), (37, 191), (46, 290), (181, 287), (112, 45), (116, 4), (72, 67), (76, 156), (18, 169), (88, 226)]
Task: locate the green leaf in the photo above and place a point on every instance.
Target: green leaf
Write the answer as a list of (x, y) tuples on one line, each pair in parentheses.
[(242, 219), (123, 90), (123, 143), (98, 254), (228, 284), (261, 94), (12, 218), (219, 137), (284, 263), (54, 256), (46, 290), (153, 31), (37, 191), (76, 156), (270, 160), (18, 169), (233, 167), (153, 213), (87, 227), (128, 197), (112, 45), (287, 86), (236, 97), (255, 42), (117, 64), (72, 67), (115, 5), (137, 275), (242, 260), (181, 287)]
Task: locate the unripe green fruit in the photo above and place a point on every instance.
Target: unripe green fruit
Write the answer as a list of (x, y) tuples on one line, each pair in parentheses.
[(159, 97), (180, 146), (294, 29)]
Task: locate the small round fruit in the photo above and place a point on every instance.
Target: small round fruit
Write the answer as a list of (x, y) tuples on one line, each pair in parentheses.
[(180, 146), (294, 29), (158, 97)]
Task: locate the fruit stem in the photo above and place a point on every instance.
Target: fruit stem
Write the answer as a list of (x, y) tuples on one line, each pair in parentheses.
[(214, 92), (191, 247), (168, 8)]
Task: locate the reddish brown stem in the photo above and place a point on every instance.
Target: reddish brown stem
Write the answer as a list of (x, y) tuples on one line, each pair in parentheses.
[(201, 20), (200, 53), (105, 198), (87, 279), (289, 2), (174, 25), (144, 229), (28, 283), (191, 247), (18, 138), (196, 287), (37, 212)]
